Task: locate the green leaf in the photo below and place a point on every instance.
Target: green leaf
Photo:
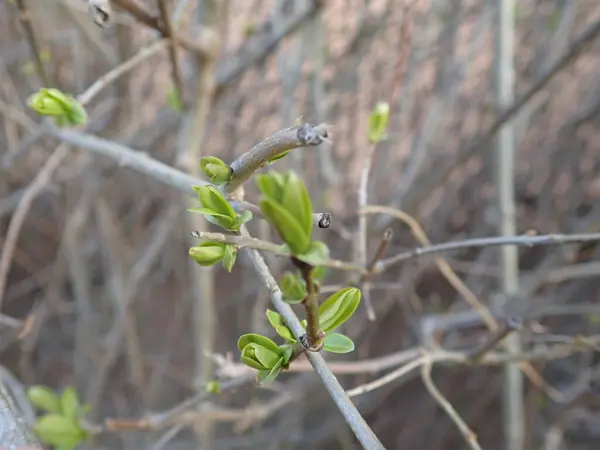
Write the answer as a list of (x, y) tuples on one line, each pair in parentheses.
[(248, 357), (316, 254), (287, 350), (297, 202), (216, 170), (213, 217), (278, 157), (293, 288), (268, 376), (211, 198), (378, 121), (338, 343), (271, 185), (44, 398), (338, 308), (263, 341), (69, 403), (265, 356), (58, 430), (288, 228), (231, 252), (208, 253)]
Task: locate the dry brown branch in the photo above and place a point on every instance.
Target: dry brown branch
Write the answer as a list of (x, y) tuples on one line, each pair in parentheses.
[(203, 44), (25, 18), (469, 436), (53, 162)]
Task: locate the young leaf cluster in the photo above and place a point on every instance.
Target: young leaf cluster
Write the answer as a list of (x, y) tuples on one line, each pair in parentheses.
[(217, 210), (62, 426), (261, 353), (64, 108)]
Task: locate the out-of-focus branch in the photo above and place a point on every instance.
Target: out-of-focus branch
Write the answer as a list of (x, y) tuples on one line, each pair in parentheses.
[(25, 18), (513, 382), (166, 20), (53, 162), (441, 172), (469, 436), (15, 434), (523, 241), (203, 43)]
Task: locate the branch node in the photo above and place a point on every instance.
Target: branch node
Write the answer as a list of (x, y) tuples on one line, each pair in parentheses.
[(309, 135)]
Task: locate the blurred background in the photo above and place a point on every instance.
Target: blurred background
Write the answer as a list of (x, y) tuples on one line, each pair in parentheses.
[(100, 293)]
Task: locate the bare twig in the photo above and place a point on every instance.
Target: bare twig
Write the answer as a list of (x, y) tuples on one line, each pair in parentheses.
[(523, 240), (46, 172), (287, 139), (469, 436), (163, 6), (276, 249), (361, 240), (25, 18), (203, 44), (441, 172)]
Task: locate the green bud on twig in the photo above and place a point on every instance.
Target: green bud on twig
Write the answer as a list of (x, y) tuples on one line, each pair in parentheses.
[(65, 109), (216, 170)]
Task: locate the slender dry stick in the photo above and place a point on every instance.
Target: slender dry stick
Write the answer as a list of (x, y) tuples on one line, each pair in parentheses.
[(513, 385), (258, 244), (455, 281), (441, 172), (166, 20), (52, 163), (522, 241), (361, 241), (203, 45), (25, 18), (388, 378), (469, 436)]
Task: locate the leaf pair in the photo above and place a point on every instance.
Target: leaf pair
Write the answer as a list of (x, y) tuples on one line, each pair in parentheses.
[(334, 342), (211, 252), (216, 170), (286, 205), (264, 355), (61, 428), (217, 210), (65, 109)]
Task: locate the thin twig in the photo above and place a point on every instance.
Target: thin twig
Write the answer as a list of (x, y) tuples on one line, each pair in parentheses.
[(203, 44), (441, 172), (286, 139), (163, 6), (522, 240), (361, 241), (50, 166), (455, 281), (25, 18), (276, 249), (469, 436)]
